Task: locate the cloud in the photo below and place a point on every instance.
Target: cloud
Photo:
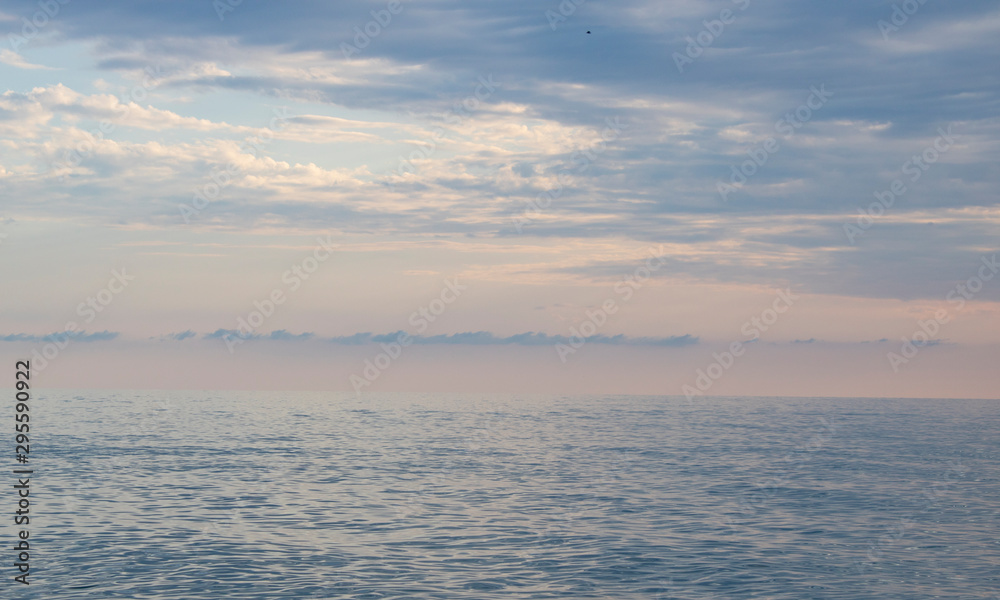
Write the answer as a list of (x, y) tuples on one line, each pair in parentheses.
[(277, 335), (79, 336), (20, 337), (283, 335), (220, 334), (13, 59), (556, 90), (177, 337), (531, 338), (471, 338), (468, 338)]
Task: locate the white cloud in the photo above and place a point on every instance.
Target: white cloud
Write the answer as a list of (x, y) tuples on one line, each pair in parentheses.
[(13, 59)]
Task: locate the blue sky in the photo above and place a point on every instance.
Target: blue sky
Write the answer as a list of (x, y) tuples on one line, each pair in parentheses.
[(205, 148)]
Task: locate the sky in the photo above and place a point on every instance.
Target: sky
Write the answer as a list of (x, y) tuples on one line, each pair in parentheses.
[(695, 198)]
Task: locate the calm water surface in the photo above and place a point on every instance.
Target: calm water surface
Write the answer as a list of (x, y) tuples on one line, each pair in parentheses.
[(208, 495)]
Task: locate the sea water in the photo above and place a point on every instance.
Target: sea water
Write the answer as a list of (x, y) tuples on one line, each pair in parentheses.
[(197, 495)]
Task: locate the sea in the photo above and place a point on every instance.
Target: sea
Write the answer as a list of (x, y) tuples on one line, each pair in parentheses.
[(210, 495)]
